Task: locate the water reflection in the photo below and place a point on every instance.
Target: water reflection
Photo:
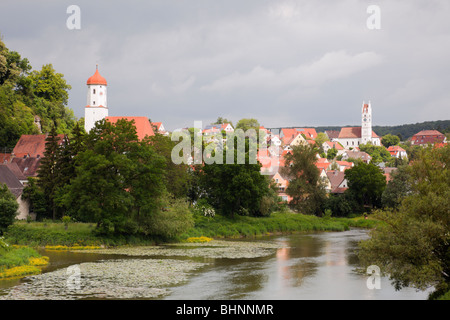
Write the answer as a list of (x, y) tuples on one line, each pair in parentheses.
[(306, 266)]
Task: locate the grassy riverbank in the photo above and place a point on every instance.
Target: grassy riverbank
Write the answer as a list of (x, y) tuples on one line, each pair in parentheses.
[(20, 261), (83, 234)]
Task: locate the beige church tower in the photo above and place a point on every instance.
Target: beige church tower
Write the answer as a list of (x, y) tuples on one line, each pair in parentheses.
[(97, 106)]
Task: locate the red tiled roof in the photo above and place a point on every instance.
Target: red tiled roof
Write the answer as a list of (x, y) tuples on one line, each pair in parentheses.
[(353, 132), (97, 79), (310, 133), (5, 158), (428, 133), (28, 166), (157, 125), (142, 124), (335, 145), (32, 145)]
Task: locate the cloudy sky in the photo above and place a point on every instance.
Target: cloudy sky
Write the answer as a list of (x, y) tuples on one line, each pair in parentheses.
[(285, 63)]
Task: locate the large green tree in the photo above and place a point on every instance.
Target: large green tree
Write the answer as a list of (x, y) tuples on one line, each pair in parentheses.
[(119, 179), (412, 246), (305, 185), (49, 178), (235, 188), (366, 184)]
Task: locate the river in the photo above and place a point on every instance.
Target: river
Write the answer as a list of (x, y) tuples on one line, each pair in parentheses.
[(317, 266)]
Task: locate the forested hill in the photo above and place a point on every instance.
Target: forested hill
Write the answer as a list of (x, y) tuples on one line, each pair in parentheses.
[(27, 93), (406, 131)]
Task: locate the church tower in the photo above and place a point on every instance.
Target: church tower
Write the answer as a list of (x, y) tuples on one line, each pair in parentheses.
[(97, 107), (366, 123)]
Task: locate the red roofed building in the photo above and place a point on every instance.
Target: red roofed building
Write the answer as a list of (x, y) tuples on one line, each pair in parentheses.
[(142, 124), (397, 152), (426, 137), (350, 137), (160, 128), (32, 146)]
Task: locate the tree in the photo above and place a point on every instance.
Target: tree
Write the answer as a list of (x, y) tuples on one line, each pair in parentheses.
[(246, 124), (397, 188), (366, 184), (49, 178), (378, 153), (332, 153), (412, 246), (234, 188), (390, 140), (8, 208), (176, 175), (305, 185), (221, 120), (119, 179)]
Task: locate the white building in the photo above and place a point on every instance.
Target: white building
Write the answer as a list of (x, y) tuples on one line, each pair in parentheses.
[(97, 106), (351, 137)]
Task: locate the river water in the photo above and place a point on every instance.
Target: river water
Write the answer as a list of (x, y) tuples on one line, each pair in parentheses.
[(318, 266)]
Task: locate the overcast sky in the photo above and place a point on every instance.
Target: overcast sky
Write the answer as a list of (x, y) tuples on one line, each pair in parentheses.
[(285, 63)]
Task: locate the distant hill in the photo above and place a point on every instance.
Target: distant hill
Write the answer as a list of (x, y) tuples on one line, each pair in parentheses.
[(406, 131)]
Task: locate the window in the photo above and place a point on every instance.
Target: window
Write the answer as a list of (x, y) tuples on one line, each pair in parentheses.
[(93, 91), (93, 102)]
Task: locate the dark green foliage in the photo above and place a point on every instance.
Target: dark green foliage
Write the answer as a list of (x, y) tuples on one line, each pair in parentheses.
[(366, 184), (118, 181), (412, 246), (234, 188), (397, 188), (8, 208), (177, 176), (25, 94), (305, 185), (390, 140)]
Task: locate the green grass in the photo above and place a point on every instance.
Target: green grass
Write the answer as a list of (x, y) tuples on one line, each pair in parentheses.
[(15, 257), (242, 226), (36, 234)]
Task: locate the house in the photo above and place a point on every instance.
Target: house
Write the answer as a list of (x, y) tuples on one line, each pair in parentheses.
[(323, 164), (309, 133), (297, 140), (332, 134), (143, 126), (14, 185), (365, 157), (32, 145), (338, 183), (397, 152), (327, 145), (282, 182), (159, 127), (344, 165), (28, 166), (426, 137)]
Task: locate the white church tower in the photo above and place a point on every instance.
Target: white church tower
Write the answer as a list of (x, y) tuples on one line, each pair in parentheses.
[(366, 123), (97, 107)]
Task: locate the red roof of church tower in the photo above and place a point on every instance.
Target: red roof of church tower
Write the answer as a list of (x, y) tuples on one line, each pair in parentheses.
[(97, 79)]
